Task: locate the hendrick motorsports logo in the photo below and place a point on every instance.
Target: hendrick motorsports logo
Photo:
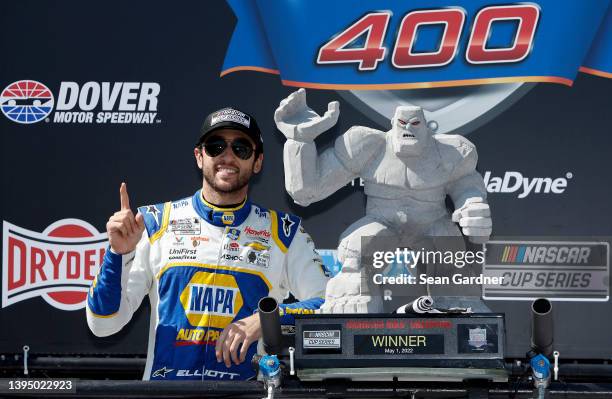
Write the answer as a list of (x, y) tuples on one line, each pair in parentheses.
[(562, 270), (57, 264), (29, 101)]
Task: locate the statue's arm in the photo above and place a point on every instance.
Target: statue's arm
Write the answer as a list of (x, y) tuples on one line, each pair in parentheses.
[(467, 190), (310, 176)]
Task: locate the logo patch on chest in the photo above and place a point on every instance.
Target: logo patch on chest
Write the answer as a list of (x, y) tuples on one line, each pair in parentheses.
[(187, 226), (211, 300)]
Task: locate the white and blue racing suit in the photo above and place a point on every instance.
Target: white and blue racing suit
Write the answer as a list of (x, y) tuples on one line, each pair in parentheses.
[(203, 268)]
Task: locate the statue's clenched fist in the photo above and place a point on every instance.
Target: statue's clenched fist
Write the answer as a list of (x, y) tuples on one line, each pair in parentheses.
[(123, 228), (474, 218)]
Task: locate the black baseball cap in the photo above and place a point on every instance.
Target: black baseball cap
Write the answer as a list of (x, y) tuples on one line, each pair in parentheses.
[(233, 119)]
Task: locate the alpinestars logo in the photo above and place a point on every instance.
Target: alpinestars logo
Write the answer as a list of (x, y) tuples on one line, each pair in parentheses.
[(29, 101), (57, 264)]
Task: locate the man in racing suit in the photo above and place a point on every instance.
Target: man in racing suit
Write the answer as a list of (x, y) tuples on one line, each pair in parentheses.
[(205, 261)]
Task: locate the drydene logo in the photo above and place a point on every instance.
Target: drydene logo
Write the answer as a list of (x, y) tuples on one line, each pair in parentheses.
[(29, 101), (26, 101), (57, 264)]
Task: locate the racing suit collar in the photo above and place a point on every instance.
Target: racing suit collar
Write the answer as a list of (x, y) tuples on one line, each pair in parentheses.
[(221, 216)]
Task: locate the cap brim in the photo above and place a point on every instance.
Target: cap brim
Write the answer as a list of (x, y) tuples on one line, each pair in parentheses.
[(227, 125)]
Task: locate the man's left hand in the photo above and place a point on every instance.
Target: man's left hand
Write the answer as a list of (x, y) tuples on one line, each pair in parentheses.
[(239, 334)]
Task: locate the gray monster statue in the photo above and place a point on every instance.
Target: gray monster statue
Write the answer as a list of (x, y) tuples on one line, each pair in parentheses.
[(407, 171)]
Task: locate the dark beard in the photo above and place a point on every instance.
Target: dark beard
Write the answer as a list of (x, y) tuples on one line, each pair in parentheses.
[(242, 181)]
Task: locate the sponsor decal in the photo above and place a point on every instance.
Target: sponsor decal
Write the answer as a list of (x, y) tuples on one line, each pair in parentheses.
[(180, 204), (57, 264), (233, 234), (152, 210), (162, 372), (26, 101), (261, 213), (559, 270), (257, 258), (227, 217), (287, 224), (187, 226), (211, 300), (261, 235), (286, 310), (178, 241), (230, 115), (232, 246), (515, 183), (196, 336), (232, 257), (182, 254), (257, 246), (195, 241), (29, 101)]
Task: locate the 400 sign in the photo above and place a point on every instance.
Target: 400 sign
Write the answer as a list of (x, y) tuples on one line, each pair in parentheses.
[(374, 25)]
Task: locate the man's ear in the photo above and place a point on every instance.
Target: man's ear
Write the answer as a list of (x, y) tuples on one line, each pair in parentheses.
[(197, 153), (258, 163)]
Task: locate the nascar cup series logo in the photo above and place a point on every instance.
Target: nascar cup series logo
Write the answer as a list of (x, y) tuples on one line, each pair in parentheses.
[(57, 264), (29, 101), (26, 101), (560, 270)]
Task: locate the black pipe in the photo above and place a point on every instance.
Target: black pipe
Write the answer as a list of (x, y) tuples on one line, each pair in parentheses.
[(270, 325), (542, 326)]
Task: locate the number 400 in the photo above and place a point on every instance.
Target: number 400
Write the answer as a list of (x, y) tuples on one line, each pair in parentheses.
[(337, 50)]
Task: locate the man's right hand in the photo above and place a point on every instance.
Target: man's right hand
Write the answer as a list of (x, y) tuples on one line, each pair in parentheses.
[(124, 230)]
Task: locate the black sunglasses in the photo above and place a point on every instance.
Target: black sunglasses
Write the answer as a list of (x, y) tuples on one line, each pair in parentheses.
[(215, 146)]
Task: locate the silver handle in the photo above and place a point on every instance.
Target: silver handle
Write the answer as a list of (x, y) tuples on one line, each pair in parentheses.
[(26, 349)]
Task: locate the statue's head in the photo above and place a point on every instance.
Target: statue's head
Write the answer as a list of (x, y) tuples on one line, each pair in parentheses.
[(409, 130)]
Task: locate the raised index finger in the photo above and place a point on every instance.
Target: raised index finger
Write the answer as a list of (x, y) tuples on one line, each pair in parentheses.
[(125, 199)]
